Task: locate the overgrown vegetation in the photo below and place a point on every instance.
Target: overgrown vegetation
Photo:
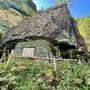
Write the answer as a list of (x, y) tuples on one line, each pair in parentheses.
[(20, 74), (84, 29), (63, 1)]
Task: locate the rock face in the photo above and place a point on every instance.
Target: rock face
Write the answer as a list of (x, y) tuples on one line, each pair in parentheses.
[(12, 12), (55, 25)]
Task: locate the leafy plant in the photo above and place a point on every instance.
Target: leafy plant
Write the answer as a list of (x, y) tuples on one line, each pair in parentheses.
[(23, 74)]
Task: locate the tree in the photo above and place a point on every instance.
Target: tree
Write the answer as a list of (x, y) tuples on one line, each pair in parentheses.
[(63, 1)]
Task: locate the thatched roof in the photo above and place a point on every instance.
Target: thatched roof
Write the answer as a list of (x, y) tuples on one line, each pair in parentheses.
[(56, 23)]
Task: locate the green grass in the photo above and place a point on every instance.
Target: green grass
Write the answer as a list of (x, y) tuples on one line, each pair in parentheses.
[(84, 29), (26, 74)]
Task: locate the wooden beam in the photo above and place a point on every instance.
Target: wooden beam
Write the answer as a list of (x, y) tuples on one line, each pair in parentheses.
[(2, 50), (44, 58)]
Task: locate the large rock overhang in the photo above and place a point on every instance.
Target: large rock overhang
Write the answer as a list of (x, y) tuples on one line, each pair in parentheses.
[(61, 46), (20, 32), (50, 24)]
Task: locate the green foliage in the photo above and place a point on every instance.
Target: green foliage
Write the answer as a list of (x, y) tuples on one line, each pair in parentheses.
[(63, 1), (84, 29), (26, 74), (73, 76)]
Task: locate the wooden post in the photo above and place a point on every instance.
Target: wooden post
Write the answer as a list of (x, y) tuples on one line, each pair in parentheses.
[(3, 55), (7, 53), (54, 63)]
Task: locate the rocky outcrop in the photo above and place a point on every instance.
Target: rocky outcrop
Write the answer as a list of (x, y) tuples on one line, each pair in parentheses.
[(56, 24), (12, 12)]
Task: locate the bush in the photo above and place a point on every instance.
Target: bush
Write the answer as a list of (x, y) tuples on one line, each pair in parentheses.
[(19, 74)]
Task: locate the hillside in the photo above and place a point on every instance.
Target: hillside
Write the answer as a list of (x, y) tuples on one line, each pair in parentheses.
[(40, 53), (84, 28), (12, 12)]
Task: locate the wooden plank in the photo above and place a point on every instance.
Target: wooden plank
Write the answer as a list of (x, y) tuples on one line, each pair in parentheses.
[(33, 57), (44, 58), (28, 52)]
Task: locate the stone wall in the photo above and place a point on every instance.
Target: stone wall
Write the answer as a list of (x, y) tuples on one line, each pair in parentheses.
[(42, 48)]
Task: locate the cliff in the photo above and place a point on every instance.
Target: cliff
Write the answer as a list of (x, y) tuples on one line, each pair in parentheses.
[(12, 12)]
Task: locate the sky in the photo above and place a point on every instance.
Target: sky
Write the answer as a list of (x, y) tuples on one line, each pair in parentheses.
[(78, 8), (44, 3)]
